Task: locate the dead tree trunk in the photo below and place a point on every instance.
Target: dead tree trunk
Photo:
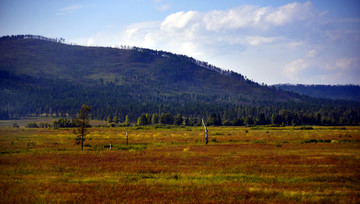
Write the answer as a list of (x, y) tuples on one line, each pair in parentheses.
[(206, 132), (127, 138)]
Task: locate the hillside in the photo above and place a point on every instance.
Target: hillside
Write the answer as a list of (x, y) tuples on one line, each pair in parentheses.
[(45, 76), (149, 69), (343, 92)]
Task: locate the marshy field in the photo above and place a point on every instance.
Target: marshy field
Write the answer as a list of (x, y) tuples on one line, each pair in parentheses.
[(166, 164)]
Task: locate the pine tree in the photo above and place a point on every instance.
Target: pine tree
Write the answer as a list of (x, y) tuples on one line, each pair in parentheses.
[(116, 120), (178, 119), (142, 120), (83, 123), (127, 121), (108, 120), (155, 118)]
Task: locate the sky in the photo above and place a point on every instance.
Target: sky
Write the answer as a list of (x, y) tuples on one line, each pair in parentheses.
[(270, 42)]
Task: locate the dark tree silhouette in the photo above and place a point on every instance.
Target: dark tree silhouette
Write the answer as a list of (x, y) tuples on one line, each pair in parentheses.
[(83, 123)]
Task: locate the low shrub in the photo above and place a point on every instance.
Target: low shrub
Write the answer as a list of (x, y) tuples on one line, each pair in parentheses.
[(259, 142), (306, 128), (132, 147), (31, 125)]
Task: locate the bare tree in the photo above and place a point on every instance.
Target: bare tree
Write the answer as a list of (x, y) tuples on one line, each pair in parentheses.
[(206, 132)]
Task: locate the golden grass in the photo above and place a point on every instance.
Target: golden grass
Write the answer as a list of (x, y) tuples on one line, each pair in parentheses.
[(244, 165)]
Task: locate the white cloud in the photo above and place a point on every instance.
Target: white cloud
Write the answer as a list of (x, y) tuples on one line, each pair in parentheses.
[(233, 19), (138, 31), (312, 53), (345, 63), (178, 21), (295, 44), (69, 9), (242, 17), (90, 42), (282, 43), (294, 68), (289, 12), (161, 6), (257, 40)]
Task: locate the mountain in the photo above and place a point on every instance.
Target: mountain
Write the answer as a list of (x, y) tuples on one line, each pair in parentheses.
[(45, 76), (343, 92), (151, 70)]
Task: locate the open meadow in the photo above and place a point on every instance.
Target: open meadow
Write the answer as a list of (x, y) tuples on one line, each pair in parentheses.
[(173, 165)]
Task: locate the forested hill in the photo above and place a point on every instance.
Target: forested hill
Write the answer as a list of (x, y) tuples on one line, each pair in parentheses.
[(343, 92), (40, 75), (143, 71), (137, 67)]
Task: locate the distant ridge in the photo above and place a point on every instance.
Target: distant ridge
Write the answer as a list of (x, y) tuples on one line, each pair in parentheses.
[(343, 92)]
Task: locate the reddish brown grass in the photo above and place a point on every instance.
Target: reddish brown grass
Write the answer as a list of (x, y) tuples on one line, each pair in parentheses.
[(173, 165)]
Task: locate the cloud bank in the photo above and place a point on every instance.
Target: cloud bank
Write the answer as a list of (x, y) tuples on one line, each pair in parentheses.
[(293, 43)]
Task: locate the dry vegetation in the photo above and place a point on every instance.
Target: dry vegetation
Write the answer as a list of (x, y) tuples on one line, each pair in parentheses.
[(160, 165)]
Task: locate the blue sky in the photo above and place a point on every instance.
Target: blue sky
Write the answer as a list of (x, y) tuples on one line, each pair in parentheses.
[(309, 42)]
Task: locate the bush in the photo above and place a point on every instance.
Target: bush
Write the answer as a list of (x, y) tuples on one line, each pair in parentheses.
[(306, 128), (65, 123), (132, 147), (31, 125), (259, 142), (310, 141)]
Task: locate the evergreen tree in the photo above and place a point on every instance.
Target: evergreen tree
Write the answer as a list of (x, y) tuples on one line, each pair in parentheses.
[(248, 121), (218, 121), (127, 121), (261, 120), (214, 120), (211, 119), (142, 120), (167, 119), (148, 119), (108, 120), (178, 119), (116, 120), (155, 118), (83, 123), (187, 121)]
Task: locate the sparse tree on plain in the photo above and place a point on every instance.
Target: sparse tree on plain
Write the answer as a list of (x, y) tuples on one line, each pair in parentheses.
[(83, 123)]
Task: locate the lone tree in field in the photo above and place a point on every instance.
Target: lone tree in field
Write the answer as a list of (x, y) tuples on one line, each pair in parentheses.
[(83, 123)]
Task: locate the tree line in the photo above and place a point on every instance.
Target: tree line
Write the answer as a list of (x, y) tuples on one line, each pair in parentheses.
[(115, 103), (28, 36), (282, 117)]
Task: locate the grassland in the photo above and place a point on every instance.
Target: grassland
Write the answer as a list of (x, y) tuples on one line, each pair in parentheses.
[(239, 165)]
